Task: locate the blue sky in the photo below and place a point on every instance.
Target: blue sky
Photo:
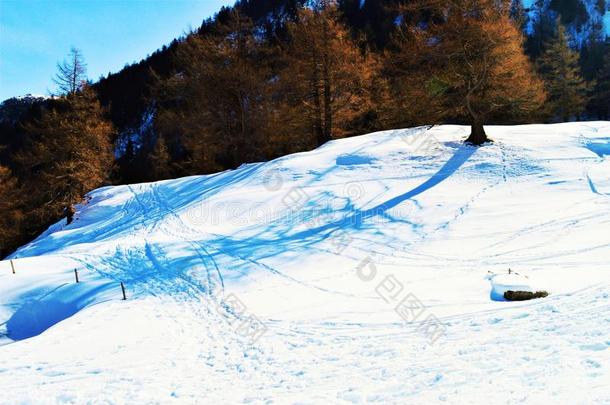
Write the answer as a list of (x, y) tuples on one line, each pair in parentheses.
[(36, 34)]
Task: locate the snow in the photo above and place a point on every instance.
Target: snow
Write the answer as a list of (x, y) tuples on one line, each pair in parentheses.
[(501, 283), (354, 273)]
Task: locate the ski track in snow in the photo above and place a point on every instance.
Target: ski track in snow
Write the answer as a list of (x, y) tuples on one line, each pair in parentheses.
[(436, 218)]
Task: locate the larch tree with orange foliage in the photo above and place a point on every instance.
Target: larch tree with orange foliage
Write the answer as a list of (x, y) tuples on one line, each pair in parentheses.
[(327, 78), (467, 62), (10, 213), (68, 152), (217, 106)]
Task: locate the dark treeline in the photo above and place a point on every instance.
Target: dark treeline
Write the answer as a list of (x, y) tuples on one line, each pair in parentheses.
[(269, 77)]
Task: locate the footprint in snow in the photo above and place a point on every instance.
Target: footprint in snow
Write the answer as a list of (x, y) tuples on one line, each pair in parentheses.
[(592, 363), (596, 347)]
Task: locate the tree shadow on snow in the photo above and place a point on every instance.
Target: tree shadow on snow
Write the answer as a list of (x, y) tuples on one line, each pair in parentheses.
[(599, 146), (280, 236)]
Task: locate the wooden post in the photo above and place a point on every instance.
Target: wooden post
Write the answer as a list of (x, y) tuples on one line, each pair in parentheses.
[(12, 266), (123, 289), (76, 275)]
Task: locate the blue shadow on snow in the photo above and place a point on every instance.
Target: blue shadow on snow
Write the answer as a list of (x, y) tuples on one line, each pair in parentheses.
[(36, 316), (461, 155), (278, 236), (600, 146)]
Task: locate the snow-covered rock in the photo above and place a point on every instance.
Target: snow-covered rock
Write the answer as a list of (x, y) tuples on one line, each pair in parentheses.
[(501, 283)]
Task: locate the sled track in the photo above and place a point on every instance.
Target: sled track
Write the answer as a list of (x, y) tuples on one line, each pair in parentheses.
[(153, 198), (198, 247)]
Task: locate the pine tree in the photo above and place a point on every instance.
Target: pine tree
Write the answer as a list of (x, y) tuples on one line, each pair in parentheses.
[(558, 65), (571, 12), (518, 14), (72, 73), (374, 20), (467, 63), (543, 27), (327, 78), (592, 52), (600, 100), (67, 153)]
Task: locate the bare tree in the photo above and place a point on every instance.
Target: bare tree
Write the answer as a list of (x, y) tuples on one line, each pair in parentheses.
[(72, 73)]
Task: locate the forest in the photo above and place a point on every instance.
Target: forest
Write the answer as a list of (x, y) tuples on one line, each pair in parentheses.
[(266, 78)]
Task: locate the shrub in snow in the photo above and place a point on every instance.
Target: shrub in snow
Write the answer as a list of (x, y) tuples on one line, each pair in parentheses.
[(524, 295)]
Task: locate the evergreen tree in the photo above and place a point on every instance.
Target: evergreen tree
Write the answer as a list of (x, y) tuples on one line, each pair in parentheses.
[(468, 63), (518, 14), (375, 20), (544, 26), (567, 90), (600, 100), (592, 52), (571, 12), (67, 153)]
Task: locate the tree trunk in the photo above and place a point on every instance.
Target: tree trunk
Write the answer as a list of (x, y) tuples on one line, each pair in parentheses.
[(315, 81), (318, 125), (328, 116), (70, 211), (477, 134)]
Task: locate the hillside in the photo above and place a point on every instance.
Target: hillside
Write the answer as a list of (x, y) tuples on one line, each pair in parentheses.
[(262, 79), (127, 93), (319, 248)]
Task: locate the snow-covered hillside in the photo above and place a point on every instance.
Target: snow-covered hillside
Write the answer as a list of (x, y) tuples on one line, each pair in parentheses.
[(355, 273)]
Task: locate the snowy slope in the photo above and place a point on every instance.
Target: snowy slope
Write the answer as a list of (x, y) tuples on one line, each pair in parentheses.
[(354, 273)]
